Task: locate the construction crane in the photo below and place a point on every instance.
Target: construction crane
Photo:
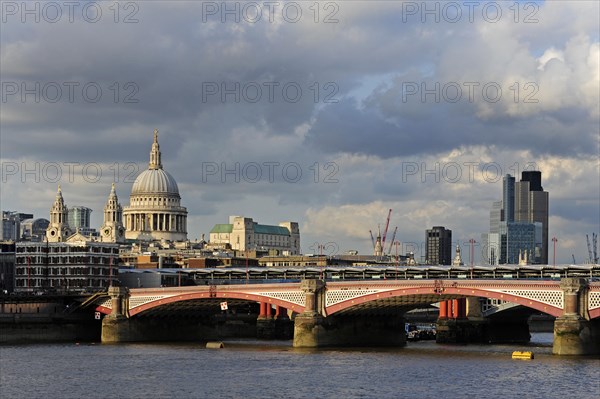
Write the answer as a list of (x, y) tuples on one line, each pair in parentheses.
[(595, 247), (590, 256), (574, 261), (387, 225), (392, 242), (372, 239)]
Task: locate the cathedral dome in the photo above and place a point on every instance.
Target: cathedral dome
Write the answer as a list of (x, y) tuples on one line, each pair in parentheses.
[(155, 181), (154, 212)]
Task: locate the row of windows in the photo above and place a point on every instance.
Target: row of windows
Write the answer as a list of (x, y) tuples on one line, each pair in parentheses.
[(61, 260), (153, 201), (63, 271), (64, 283), (66, 248), (292, 264), (262, 237)]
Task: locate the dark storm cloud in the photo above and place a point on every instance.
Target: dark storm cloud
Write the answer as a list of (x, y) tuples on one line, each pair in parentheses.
[(438, 128), (171, 54)]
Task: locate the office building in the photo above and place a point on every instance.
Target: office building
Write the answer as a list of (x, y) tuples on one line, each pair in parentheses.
[(79, 217), (508, 198), (438, 246), (518, 238), (10, 228), (532, 205), (518, 223), (34, 229), (79, 220), (496, 216), (76, 265)]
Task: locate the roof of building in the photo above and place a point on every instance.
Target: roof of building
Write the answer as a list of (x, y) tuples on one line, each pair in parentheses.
[(258, 229), (266, 229), (222, 228), (37, 220), (155, 181)]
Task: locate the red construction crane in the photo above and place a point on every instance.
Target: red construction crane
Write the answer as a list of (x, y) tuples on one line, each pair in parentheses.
[(392, 242), (387, 224)]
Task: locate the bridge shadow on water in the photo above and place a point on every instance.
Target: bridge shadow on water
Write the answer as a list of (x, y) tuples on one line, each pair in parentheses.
[(540, 342)]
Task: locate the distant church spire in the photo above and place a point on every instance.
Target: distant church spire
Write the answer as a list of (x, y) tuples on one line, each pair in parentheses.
[(112, 229), (58, 229), (155, 162), (378, 247), (457, 257)]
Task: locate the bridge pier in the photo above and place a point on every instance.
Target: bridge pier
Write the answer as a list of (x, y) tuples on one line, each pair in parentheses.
[(312, 330), (573, 334), (460, 322), (265, 324), (308, 325), (277, 327), (115, 326)]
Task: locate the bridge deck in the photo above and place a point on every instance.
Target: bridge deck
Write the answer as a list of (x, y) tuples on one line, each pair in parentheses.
[(355, 295)]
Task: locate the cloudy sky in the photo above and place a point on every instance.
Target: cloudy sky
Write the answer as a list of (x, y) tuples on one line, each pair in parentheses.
[(328, 114)]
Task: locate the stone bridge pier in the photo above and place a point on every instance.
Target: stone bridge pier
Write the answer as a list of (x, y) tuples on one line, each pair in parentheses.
[(115, 326), (313, 330), (574, 332)]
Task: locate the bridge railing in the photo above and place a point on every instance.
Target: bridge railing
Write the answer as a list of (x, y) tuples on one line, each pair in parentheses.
[(258, 275)]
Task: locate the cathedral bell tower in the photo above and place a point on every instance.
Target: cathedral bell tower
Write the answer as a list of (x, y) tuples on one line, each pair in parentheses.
[(378, 247), (58, 230), (457, 258), (112, 229)]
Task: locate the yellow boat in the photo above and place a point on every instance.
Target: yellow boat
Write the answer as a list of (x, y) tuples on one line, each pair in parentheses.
[(522, 355)]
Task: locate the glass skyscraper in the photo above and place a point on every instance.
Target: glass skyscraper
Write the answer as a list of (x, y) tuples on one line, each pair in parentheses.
[(438, 246), (518, 223), (79, 218)]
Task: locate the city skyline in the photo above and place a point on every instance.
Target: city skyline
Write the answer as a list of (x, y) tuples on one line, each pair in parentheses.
[(155, 154), (365, 134)]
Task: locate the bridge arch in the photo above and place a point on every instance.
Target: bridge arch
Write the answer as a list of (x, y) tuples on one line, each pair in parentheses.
[(448, 293), (220, 296), (138, 304)]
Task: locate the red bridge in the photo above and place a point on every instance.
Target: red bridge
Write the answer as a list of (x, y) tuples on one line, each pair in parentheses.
[(324, 312)]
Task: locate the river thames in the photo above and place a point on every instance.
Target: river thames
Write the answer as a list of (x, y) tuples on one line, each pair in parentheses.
[(273, 369)]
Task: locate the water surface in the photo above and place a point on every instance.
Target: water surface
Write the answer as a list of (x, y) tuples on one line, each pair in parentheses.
[(273, 369)]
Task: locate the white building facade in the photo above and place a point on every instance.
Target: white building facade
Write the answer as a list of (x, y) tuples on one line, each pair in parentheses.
[(242, 233), (77, 265)]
